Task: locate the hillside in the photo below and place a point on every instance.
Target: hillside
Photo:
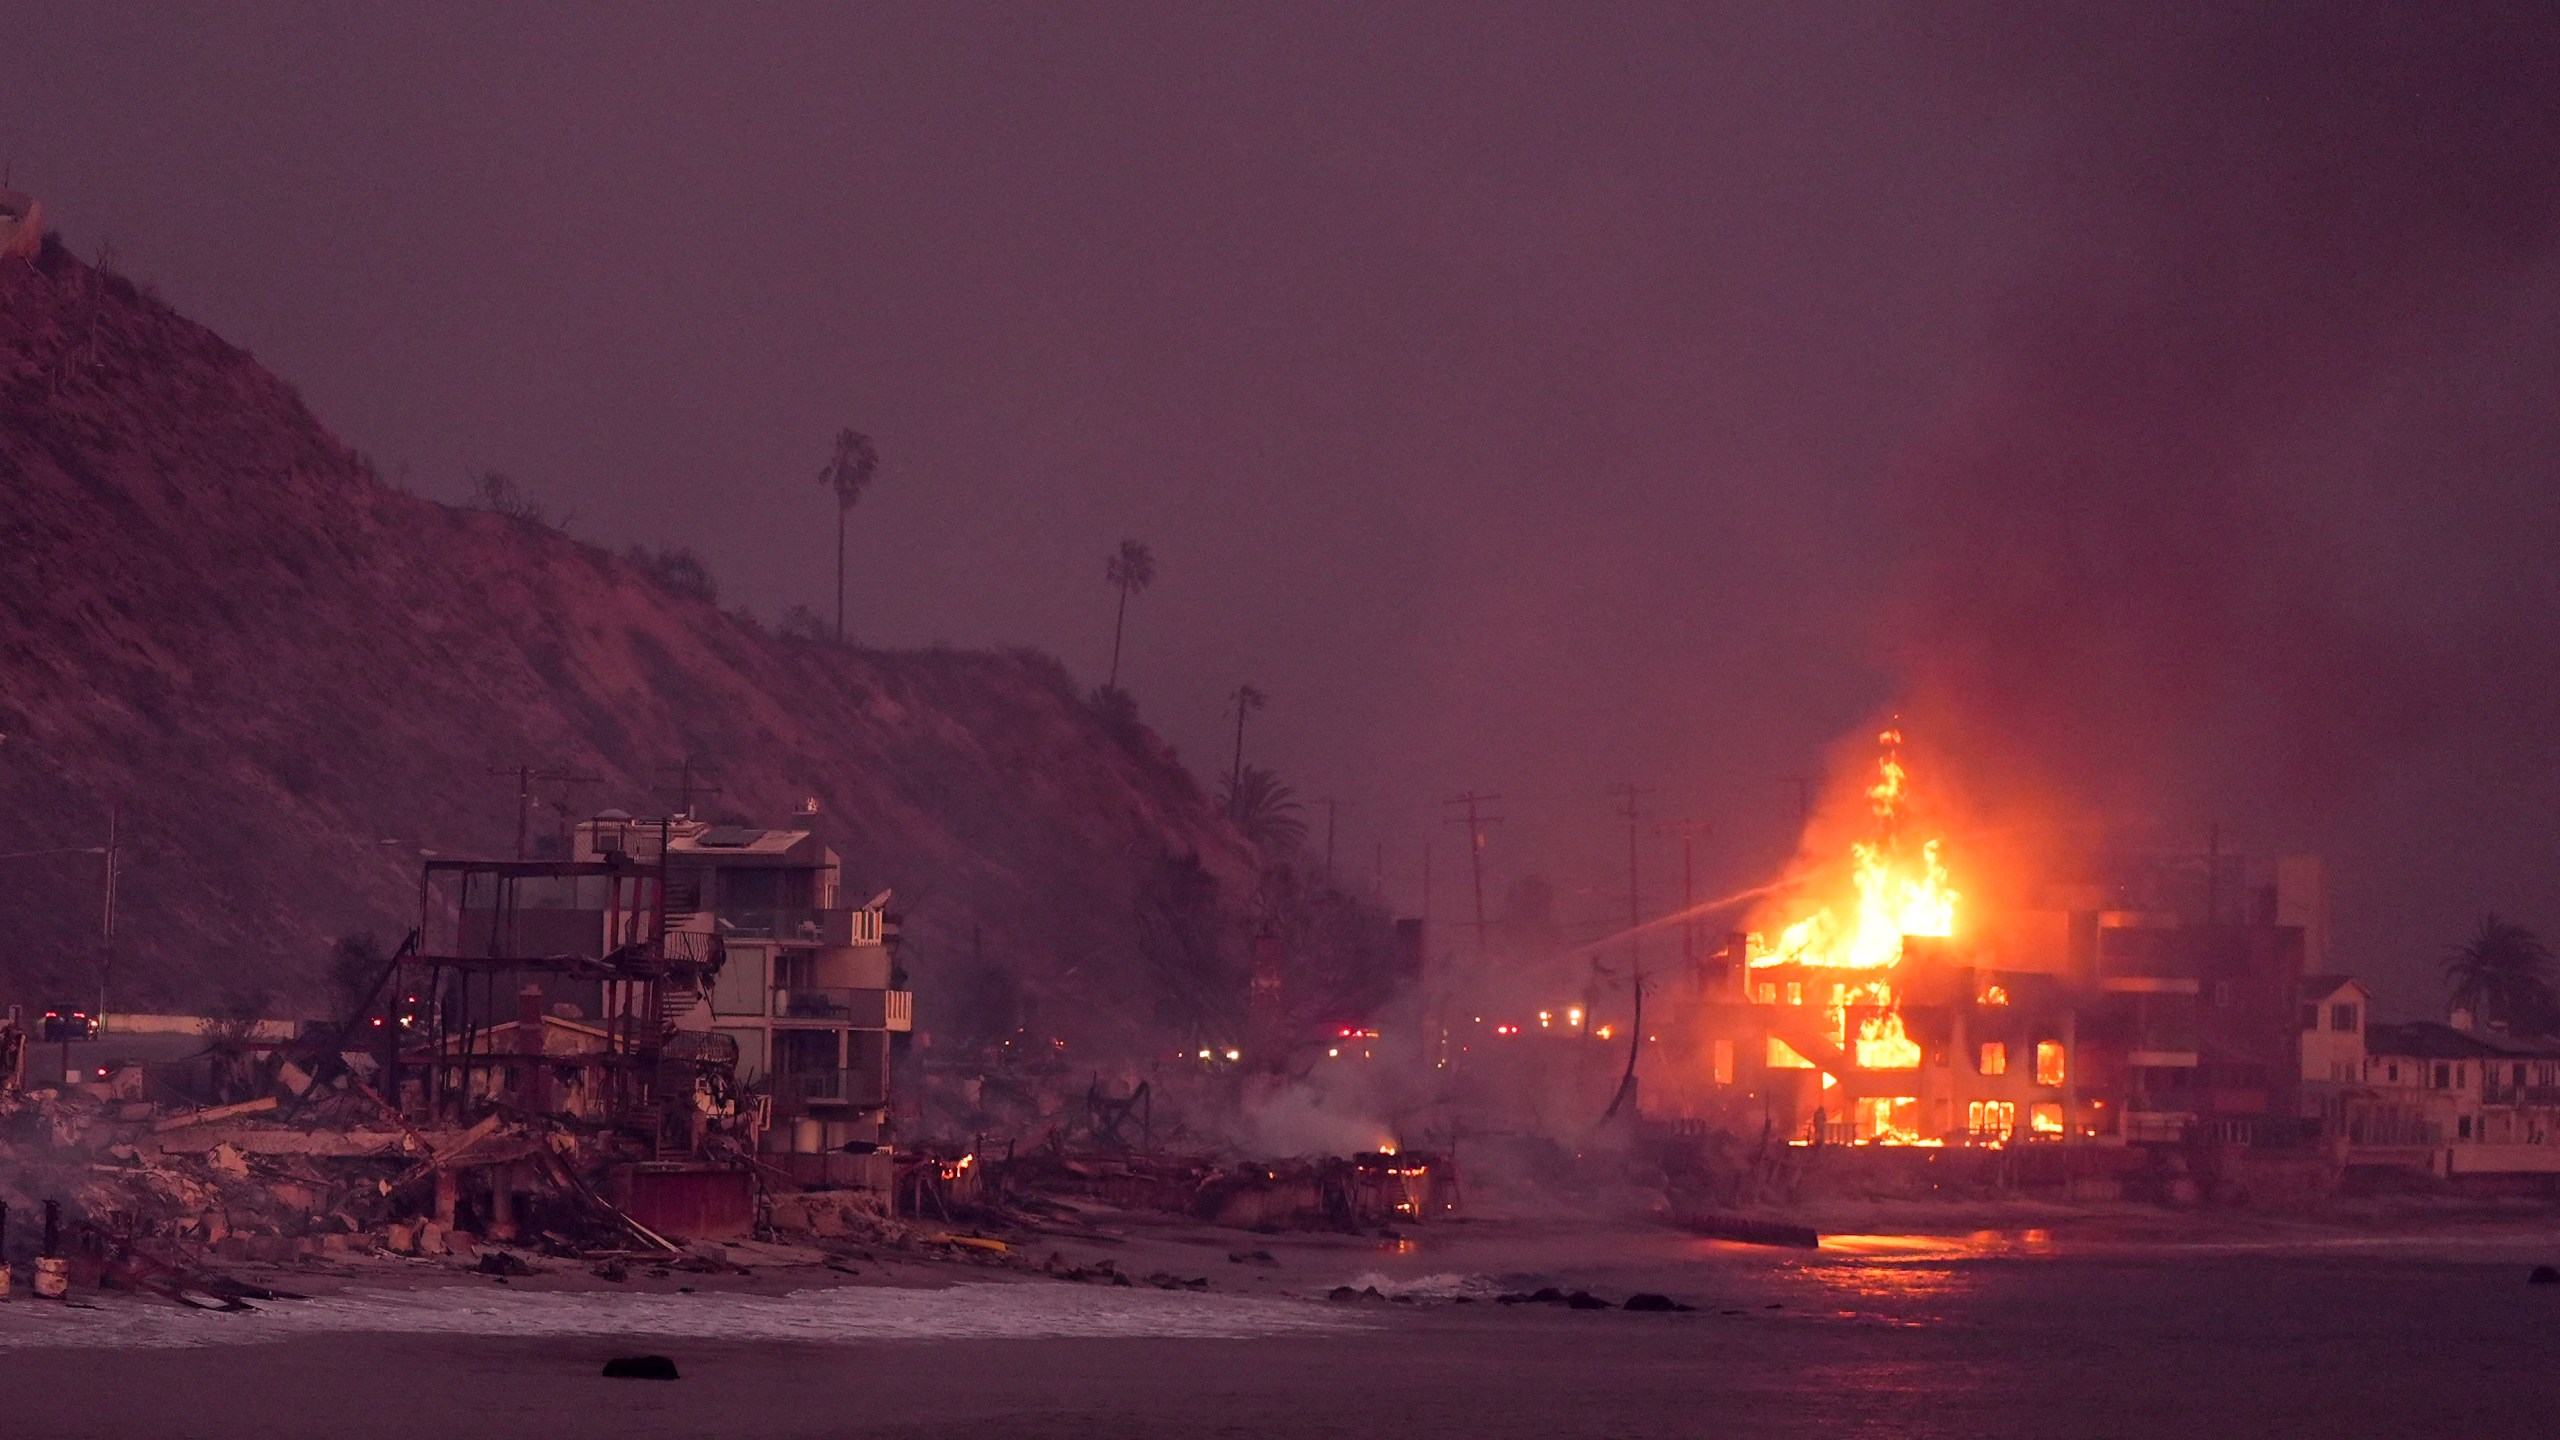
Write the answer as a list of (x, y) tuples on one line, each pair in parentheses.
[(288, 676)]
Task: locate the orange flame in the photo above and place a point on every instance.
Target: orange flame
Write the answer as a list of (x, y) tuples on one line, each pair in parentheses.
[(1896, 894)]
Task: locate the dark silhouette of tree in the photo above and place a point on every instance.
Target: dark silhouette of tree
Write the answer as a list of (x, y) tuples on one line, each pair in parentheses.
[(1337, 949), (499, 494), (356, 963), (677, 569), (1132, 568), (799, 622), (1246, 700), (848, 473), (1266, 810), (2502, 975), (1183, 932)]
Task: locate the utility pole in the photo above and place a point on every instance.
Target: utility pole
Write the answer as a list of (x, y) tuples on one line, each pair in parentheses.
[(1475, 820), (525, 775), (1688, 831), (1804, 795), (2213, 873), (1627, 793), (565, 806), (107, 917), (1330, 806)]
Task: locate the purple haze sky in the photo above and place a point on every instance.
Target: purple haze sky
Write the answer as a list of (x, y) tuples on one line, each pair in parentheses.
[(1526, 398)]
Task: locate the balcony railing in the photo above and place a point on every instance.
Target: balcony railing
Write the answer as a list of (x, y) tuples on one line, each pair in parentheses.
[(805, 927), (804, 1091), (811, 1002), (853, 1008)]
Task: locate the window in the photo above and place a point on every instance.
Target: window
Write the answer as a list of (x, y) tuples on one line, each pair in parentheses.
[(1768, 992), (1724, 1062), (2045, 1119), (1795, 992), (1995, 1058), (2444, 1077), (2342, 1018), (2048, 1062), (1990, 1119), (2464, 1127), (2392, 1073)]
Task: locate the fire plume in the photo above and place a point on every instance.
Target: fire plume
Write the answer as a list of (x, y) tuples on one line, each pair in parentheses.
[(1897, 891)]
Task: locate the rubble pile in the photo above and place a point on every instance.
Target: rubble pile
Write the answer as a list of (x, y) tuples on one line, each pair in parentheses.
[(338, 1173), (1316, 1192)]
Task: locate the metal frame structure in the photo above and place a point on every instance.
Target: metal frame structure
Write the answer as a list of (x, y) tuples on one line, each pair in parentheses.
[(479, 941)]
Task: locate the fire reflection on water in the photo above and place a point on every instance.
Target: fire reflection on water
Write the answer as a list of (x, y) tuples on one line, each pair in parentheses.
[(1896, 1278)]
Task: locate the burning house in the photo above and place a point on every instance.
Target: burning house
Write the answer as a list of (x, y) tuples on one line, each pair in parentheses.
[(1896, 1013)]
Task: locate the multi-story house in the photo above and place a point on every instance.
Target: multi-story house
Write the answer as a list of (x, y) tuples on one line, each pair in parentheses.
[(2457, 1102), (807, 988)]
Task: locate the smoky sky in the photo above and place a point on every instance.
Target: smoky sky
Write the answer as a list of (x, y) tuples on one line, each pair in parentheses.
[(2152, 402)]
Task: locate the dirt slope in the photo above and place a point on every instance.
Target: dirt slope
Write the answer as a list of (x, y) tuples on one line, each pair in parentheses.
[(216, 616)]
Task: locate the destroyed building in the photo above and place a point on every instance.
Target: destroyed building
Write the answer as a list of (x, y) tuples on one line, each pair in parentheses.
[(696, 989)]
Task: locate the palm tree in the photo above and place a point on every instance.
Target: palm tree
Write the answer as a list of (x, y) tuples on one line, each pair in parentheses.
[(1246, 700), (1133, 569), (848, 473), (2502, 973), (1265, 809)]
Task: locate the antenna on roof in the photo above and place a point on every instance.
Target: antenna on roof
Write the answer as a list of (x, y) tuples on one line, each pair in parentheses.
[(691, 780)]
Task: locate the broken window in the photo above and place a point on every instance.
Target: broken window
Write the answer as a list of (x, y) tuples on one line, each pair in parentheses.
[(1995, 1058), (2048, 1062), (1990, 1119)]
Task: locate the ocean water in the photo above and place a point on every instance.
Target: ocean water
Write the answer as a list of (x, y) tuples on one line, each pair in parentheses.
[(2006, 1335)]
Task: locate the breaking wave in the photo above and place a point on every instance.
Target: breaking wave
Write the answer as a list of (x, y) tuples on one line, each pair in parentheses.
[(970, 1312)]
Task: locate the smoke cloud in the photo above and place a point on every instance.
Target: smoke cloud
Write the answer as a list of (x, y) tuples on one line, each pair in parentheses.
[(2243, 514)]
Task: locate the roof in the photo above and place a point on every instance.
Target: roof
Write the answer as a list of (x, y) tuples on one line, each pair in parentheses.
[(2424, 1039), (738, 840), (2321, 987), (2429, 1040)]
